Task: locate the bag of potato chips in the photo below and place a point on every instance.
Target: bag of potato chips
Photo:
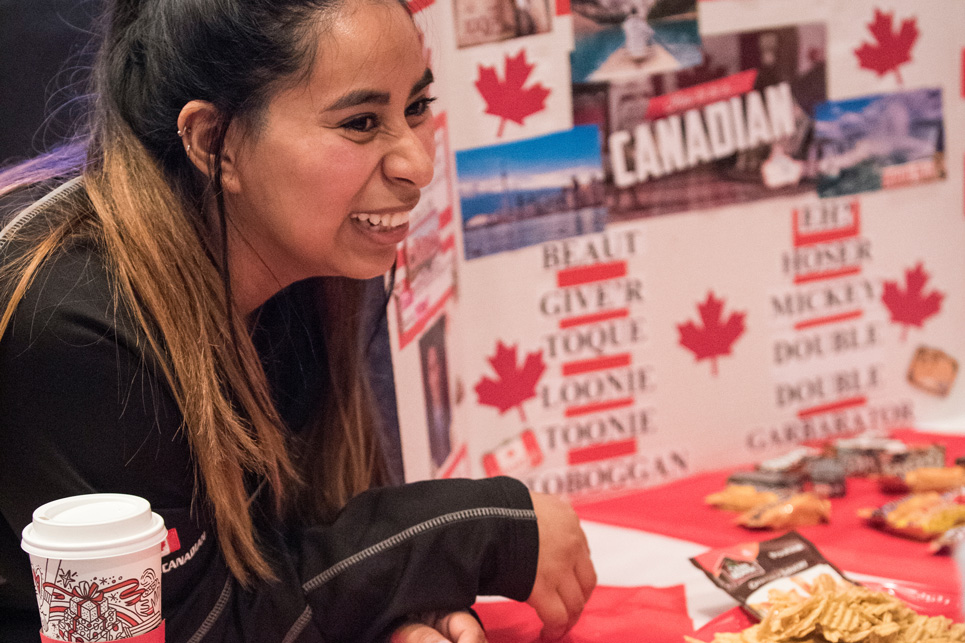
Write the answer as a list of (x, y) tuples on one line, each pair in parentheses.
[(749, 571), (799, 597)]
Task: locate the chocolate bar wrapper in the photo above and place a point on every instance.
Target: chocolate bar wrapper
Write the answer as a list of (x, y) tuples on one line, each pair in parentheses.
[(795, 461), (778, 481), (862, 456)]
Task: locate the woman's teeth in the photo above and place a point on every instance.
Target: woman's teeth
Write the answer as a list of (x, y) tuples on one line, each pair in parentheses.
[(393, 220)]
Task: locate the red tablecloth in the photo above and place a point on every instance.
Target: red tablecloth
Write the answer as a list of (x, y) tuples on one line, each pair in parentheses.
[(678, 510), (612, 615), (659, 614)]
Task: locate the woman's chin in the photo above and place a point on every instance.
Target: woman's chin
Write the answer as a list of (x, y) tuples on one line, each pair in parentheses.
[(371, 269)]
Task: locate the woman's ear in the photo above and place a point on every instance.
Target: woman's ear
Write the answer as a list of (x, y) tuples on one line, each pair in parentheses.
[(198, 125)]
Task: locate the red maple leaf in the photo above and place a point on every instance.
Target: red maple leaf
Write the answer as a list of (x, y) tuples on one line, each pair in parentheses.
[(507, 99), (892, 48), (911, 306), (714, 338), (514, 385)]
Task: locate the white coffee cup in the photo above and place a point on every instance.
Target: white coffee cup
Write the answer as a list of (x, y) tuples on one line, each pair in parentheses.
[(96, 564)]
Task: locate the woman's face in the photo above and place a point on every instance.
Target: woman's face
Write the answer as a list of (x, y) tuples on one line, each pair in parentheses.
[(324, 183)]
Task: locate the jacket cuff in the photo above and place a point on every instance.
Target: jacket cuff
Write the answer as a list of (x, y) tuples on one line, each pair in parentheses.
[(516, 580)]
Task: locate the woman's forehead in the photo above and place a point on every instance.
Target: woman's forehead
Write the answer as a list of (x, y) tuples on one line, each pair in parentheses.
[(368, 39)]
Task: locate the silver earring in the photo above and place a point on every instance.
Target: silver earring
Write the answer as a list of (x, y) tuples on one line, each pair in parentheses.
[(188, 149), (180, 133)]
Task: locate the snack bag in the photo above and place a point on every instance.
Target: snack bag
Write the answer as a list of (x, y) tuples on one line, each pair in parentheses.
[(862, 456), (894, 467), (800, 510), (740, 497), (828, 478), (948, 541), (921, 516), (835, 611), (794, 461), (751, 571), (940, 479), (778, 481)]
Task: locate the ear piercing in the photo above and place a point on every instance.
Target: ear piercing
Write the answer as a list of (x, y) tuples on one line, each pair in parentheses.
[(181, 133)]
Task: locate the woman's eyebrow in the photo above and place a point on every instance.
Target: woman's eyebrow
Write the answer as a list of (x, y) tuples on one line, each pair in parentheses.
[(359, 97), (426, 80), (367, 96)]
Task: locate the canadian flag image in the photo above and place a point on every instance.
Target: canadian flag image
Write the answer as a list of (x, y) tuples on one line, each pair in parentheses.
[(515, 455)]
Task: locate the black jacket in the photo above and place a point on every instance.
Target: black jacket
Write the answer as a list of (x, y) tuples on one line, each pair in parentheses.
[(83, 409)]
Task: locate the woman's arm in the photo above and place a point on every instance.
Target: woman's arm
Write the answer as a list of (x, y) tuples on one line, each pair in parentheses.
[(421, 547), (82, 411)]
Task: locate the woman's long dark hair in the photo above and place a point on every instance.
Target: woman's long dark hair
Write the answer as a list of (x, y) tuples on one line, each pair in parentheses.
[(170, 266)]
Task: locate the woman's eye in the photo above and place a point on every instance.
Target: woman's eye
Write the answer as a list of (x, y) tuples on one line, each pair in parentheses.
[(365, 123), (419, 107)]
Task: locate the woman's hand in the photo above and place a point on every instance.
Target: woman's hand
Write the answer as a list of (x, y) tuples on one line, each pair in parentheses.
[(565, 577), (452, 627)]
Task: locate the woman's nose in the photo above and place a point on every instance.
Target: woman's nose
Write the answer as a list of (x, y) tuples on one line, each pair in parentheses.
[(412, 158)]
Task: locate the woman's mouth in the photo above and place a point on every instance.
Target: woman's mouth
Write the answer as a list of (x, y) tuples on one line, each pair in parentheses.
[(388, 228), (383, 221)]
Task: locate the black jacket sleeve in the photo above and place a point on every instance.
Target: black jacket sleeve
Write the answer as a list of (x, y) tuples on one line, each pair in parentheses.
[(82, 410)]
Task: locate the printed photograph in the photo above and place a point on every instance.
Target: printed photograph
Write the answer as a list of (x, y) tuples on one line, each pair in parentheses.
[(738, 127), (482, 21), (618, 40), (525, 193), (879, 142), (425, 267), (435, 384)]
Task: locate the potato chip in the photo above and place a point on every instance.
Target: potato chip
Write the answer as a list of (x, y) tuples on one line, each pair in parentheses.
[(834, 611)]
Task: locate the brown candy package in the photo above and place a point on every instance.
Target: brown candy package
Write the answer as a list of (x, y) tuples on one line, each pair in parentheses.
[(749, 571)]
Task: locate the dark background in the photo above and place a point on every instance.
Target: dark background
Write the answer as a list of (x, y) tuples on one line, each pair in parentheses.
[(44, 55)]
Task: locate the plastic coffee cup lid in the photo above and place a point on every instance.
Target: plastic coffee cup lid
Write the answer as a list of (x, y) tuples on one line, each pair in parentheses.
[(96, 525)]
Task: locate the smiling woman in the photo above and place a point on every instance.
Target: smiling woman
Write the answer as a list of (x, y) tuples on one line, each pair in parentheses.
[(324, 183), (181, 321)]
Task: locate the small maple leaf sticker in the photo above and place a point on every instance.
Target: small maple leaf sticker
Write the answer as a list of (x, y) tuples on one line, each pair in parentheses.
[(716, 336), (507, 98), (515, 385), (911, 306), (892, 48)]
